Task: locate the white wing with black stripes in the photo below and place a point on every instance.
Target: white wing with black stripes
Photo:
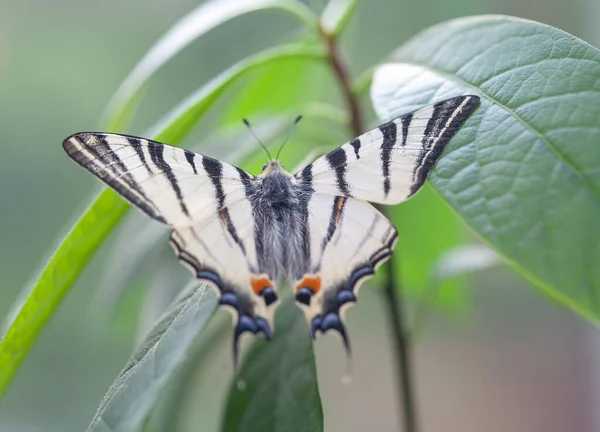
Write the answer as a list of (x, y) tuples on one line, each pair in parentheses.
[(349, 237), (390, 163), (174, 186), (349, 240), (205, 202)]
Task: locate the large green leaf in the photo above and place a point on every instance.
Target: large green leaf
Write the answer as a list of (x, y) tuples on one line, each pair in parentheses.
[(137, 247), (280, 390), (130, 399), (204, 18), (105, 212), (277, 89), (184, 399), (62, 269), (177, 124), (523, 170)]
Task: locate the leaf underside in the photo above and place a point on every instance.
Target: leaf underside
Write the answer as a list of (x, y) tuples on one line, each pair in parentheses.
[(131, 397), (280, 381)]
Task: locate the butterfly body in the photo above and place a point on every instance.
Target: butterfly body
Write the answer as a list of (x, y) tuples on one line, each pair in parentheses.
[(242, 234), (280, 208)]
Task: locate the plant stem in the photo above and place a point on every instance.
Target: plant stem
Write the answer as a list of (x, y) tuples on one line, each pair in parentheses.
[(340, 70), (392, 282), (402, 347)]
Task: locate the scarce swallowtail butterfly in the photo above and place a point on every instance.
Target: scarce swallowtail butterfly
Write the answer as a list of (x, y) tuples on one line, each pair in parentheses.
[(243, 233)]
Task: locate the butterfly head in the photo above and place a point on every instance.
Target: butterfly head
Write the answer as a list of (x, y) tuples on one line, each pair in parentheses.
[(271, 167)]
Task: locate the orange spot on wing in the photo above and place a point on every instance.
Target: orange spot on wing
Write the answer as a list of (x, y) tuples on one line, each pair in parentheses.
[(340, 207), (313, 283), (259, 284), (223, 218)]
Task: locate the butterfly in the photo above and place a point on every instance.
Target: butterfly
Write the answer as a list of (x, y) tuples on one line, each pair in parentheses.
[(243, 234)]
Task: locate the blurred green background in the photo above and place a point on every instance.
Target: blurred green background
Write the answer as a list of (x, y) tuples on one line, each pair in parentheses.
[(515, 362)]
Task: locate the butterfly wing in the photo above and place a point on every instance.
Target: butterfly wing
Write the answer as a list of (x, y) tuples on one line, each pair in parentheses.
[(221, 250), (206, 203), (390, 163), (174, 186), (349, 237), (349, 240)]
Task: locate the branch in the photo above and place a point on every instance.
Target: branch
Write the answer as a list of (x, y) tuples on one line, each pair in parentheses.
[(402, 346), (341, 72)]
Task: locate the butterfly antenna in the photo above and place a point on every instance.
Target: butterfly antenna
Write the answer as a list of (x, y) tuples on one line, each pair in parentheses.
[(247, 123), (292, 129)]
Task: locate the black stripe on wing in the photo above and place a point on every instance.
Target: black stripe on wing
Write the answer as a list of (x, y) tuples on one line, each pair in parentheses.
[(136, 143), (337, 211), (157, 156), (306, 190), (93, 153), (447, 118), (356, 144), (190, 156), (338, 162), (214, 169), (389, 131)]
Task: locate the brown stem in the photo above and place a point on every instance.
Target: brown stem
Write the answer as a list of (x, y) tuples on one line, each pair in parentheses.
[(392, 282), (402, 347), (341, 72)]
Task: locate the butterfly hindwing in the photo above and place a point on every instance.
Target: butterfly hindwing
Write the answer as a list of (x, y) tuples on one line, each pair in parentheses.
[(390, 163), (206, 203), (349, 240), (227, 259)]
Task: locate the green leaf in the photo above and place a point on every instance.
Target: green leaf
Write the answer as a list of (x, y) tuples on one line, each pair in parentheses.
[(133, 394), (281, 87), (137, 246), (195, 377), (105, 212), (201, 20), (336, 15), (523, 170), (61, 271), (160, 290), (281, 392), (180, 121), (363, 82)]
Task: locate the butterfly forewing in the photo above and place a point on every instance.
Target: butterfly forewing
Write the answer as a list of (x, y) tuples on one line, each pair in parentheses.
[(174, 186), (390, 163)]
